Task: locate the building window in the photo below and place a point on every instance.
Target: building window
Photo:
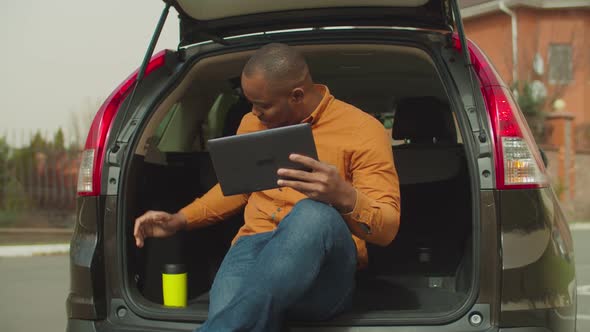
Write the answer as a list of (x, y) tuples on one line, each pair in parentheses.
[(560, 64)]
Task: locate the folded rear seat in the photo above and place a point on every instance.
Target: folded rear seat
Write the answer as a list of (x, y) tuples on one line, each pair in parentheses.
[(434, 189)]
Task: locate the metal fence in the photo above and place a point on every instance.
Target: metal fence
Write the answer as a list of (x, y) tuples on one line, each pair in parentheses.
[(38, 178)]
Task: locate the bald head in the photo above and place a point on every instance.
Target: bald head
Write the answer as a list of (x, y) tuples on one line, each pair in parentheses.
[(277, 82), (278, 63)]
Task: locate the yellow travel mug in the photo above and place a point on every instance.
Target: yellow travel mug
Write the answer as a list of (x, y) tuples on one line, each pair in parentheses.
[(174, 279)]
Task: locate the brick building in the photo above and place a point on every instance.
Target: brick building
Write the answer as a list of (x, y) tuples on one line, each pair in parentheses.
[(543, 40)]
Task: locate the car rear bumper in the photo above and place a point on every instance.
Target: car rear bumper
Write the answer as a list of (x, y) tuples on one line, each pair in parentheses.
[(75, 325)]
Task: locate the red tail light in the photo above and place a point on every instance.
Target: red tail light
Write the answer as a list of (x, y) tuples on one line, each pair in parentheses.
[(518, 161), (89, 175)]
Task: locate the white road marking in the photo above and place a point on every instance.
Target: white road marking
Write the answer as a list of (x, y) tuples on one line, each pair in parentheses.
[(584, 290), (580, 226), (33, 250)]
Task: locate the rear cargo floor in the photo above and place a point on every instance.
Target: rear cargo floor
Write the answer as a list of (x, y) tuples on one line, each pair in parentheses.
[(388, 297)]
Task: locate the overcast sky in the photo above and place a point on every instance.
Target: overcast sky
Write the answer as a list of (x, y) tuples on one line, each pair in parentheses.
[(57, 57)]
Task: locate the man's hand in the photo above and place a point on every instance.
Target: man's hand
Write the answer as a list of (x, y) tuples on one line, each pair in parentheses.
[(322, 184), (157, 224)]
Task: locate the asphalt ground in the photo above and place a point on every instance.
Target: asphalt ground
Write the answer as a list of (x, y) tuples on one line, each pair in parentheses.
[(33, 292), (33, 289)]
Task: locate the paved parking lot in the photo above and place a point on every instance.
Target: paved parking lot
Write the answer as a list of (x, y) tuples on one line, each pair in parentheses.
[(33, 290)]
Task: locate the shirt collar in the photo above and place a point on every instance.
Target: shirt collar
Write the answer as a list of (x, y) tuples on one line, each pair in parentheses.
[(326, 99)]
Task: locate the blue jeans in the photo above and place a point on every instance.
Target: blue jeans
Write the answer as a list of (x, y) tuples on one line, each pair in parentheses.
[(303, 270)]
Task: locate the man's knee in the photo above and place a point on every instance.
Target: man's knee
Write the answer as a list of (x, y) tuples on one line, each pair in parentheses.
[(317, 216)]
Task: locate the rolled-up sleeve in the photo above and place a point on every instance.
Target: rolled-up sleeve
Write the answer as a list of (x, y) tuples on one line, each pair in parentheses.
[(213, 207), (375, 217)]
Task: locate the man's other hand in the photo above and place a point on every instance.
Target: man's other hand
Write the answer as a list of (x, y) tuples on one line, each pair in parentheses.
[(322, 184), (157, 224)]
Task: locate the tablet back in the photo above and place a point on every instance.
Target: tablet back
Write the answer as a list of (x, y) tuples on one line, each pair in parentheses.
[(249, 162)]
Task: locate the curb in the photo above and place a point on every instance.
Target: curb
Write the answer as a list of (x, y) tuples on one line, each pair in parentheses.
[(18, 230), (582, 226), (34, 250)]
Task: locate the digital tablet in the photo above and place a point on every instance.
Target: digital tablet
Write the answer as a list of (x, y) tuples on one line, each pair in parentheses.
[(249, 162)]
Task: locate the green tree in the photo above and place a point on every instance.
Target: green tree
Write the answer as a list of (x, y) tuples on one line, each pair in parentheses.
[(25, 162), (58, 141), (38, 143), (528, 103), (12, 196), (4, 167), (4, 155), (16, 199)]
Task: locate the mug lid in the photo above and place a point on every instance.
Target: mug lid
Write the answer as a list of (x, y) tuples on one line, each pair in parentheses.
[(174, 268)]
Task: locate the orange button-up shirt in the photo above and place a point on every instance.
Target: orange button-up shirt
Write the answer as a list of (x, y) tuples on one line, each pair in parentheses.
[(346, 137)]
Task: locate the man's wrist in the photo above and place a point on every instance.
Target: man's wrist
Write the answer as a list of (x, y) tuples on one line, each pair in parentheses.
[(348, 201), (182, 222)]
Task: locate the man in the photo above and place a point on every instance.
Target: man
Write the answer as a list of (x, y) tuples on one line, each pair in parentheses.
[(300, 246)]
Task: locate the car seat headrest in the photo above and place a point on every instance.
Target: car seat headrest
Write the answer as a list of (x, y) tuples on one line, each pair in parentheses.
[(423, 120)]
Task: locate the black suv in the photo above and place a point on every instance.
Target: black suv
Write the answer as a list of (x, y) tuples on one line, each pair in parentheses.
[(483, 244)]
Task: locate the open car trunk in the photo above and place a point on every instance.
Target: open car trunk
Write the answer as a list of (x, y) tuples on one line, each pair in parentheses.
[(426, 271)]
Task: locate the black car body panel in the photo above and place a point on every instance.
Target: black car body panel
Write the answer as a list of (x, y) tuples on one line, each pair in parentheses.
[(541, 282), (527, 287), (538, 272), (86, 299)]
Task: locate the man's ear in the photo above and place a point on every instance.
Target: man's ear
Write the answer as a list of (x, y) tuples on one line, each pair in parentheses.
[(297, 95)]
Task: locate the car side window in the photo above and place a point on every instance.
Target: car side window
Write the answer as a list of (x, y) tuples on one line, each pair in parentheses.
[(218, 114), (165, 122), (162, 137)]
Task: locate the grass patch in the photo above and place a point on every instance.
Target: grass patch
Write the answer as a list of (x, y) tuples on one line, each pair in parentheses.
[(9, 218)]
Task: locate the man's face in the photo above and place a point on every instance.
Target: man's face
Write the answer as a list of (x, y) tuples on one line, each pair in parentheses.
[(272, 105)]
